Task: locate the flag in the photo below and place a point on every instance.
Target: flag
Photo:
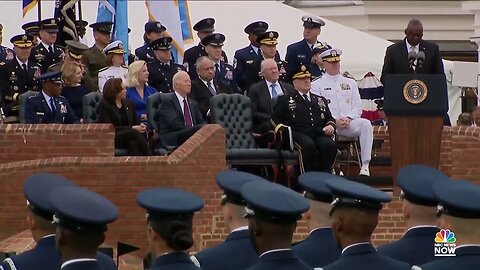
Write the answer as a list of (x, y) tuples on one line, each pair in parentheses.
[(27, 5), (370, 89), (65, 12), (115, 11), (175, 16), (123, 248)]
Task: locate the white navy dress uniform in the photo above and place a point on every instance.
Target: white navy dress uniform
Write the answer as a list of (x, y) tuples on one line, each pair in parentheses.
[(116, 47), (344, 101)]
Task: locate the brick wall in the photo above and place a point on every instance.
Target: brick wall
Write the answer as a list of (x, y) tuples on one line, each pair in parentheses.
[(26, 142)]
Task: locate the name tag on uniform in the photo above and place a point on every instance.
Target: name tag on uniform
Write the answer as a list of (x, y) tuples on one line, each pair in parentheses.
[(345, 86), (326, 89), (301, 56), (40, 113)]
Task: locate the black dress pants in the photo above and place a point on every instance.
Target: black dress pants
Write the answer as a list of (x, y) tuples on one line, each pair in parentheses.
[(318, 151), (132, 140)]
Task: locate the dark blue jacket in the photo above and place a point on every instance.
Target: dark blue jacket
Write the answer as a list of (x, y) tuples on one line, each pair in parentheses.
[(173, 261), (365, 257), (279, 260), (318, 249), (235, 253), (298, 53), (414, 248), (467, 258), (37, 111)]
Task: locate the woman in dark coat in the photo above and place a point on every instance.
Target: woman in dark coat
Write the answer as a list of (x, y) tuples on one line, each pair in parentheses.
[(119, 111)]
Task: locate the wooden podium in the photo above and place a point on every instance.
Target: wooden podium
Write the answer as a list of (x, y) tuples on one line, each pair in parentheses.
[(416, 106)]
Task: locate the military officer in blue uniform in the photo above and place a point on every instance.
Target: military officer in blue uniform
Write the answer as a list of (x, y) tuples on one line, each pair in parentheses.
[(18, 76), (47, 106), (459, 207), (317, 69), (273, 211), (5, 53), (301, 52), (47, 53), (204, 27), (82, 217), (153, 31), (311, 122), (268, 46), (319, 248), (237, 251), (223, 71), (32, 29), (169, 219), (355, 210), (44, 255), (420, 207), (162, 68)]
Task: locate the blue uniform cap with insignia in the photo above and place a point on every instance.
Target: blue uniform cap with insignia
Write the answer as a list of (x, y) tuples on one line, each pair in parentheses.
[(22, 41), (257, 27), (205, 25), (215, 39), (231, 182), (310, 21), (416, 182), (268, 38), (103, 27), (331, 55), (49, 25), (37, 187), (163, 43), (169, 203), (315, 185), (458, 198), (351, 194), (54, 77), (273, 203), (31, 28), (81, 210), (301, 72), (154, 26), (115, 47)]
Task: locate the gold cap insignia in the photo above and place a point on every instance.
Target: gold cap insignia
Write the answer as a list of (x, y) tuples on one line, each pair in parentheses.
[(24, 38), (52, 21), (120, 45), (159, 25), (271, 35), (303, 68)]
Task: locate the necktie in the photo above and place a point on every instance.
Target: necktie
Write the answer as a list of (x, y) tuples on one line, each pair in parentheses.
[(209, 85), (217, 71), (413, 49), (50, 50), (311, 47), (24, 66), (186, 114), (274, 92), (306, 97), (52, 106), (259, 53)]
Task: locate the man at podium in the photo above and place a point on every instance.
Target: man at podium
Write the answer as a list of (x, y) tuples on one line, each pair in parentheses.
[(413, 55)]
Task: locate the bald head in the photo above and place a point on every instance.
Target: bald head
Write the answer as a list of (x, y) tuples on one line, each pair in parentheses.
[(414, 32), (182, 83)]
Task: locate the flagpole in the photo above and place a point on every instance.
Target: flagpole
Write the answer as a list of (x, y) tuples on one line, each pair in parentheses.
[(39, 10), (80, 10), (112, 37)]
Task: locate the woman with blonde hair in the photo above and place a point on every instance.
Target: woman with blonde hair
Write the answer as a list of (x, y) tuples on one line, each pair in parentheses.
[(115, 64), (137, 88), (73, 90)]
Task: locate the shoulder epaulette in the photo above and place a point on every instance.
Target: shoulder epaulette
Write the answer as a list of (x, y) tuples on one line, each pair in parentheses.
[(103, 69)]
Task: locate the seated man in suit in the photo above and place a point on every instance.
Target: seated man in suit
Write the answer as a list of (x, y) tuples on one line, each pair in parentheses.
[(263, 92), (206, 85), (47, 106), (180, 117)]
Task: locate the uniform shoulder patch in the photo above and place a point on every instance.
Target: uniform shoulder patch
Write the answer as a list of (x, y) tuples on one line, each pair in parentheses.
[(103, 69)]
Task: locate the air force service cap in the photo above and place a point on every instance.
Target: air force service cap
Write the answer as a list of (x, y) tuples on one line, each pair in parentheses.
[(458, 198), (169, 203), (273, 203), (257, 27), (205, 25), (154, 26), (215, 39), (310, 21), (416, 182), (37, 188), (315, 185), (351, 194), (81, 210), (231, 182), (54, 77)]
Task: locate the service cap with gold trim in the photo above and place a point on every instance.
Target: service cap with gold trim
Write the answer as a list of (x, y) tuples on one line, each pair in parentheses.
[(22, 41), (31, 28), (115, 47), (310, 21), (268, 38), (215, 39), (49, 25), (320, 47), (301, 72), (75, 49), (331, 55)]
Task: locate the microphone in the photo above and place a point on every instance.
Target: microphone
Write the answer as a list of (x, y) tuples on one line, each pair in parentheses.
[(420, 59), (411, 59)]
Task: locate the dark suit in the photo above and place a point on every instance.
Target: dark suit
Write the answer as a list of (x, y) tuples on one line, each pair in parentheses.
[(279, 260), (262, 105), (201, 94), (14, 82), (396, 62), (235, 253), (365, 257), (37, 111), (45, 256), (41, 55), (252, 72), (173, 261), (318, 249), (172, 130), (467, 258), (415, 247), (190, 58)]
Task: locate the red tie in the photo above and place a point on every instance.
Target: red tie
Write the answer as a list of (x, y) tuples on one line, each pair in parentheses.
[(186, 114)]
